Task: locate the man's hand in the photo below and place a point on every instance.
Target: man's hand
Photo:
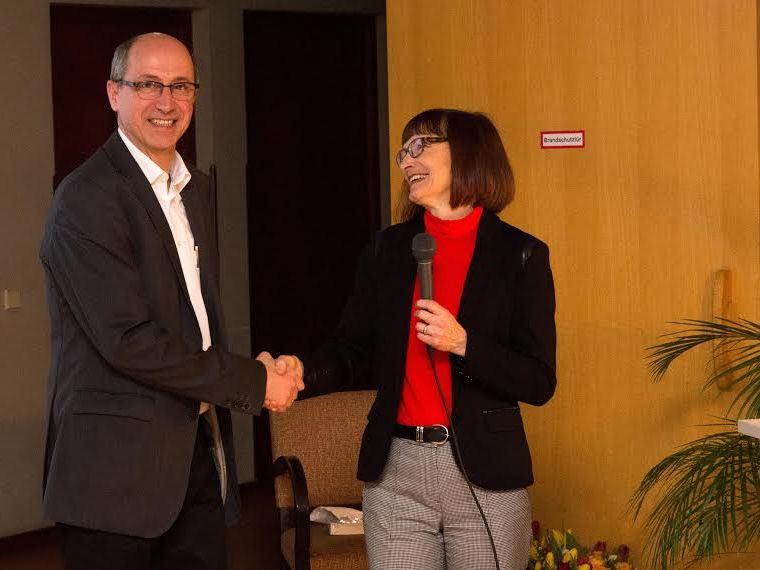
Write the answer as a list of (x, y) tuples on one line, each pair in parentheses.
[(282, 387)]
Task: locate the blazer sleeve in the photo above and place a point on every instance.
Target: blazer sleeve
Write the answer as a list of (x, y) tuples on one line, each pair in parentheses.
[(343, 361), (89, 255), (519, 365)]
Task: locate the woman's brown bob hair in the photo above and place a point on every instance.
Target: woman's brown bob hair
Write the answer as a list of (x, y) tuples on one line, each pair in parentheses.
[(480, 170)]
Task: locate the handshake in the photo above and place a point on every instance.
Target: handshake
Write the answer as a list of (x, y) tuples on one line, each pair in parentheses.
[(284, 380)]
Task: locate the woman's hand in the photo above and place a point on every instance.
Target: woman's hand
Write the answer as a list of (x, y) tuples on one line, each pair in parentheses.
[(438, 328)]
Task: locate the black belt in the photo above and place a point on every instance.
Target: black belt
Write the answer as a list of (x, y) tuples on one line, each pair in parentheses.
[(436, 434)]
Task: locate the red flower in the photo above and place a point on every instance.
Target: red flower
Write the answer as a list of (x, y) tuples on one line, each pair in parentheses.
[(564, 566), (583, 560), (536, 527), (623, 551), (600, 546)]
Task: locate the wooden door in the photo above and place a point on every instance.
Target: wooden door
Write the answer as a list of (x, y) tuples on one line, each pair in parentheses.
[(313, 174)]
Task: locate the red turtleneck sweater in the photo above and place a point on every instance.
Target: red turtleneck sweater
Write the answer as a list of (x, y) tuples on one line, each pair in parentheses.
[(455, 241)]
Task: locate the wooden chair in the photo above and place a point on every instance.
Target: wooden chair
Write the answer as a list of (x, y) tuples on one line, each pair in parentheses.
[(316, 445)]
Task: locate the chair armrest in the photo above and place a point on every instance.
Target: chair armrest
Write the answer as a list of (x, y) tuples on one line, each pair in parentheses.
[(301, 509)]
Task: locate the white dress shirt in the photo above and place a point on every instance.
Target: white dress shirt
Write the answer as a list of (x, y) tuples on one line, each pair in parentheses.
[(167, 187)]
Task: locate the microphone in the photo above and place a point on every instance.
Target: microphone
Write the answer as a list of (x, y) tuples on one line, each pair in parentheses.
[(423, 250)]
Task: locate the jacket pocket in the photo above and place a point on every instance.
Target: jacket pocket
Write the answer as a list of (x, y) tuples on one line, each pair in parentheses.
[(503, 419), (96, 402)]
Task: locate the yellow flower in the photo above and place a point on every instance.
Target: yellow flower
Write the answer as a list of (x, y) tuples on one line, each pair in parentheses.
[(550, 559), (571, 554), (537, 566), (533, 552), (596, 560), (583, 567), (559, 537)]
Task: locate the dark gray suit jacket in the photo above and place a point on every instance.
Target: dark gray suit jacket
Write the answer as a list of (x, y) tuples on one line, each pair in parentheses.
[(127, 370)]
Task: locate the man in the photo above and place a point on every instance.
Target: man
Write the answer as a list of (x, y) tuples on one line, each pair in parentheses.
[(139, 466)]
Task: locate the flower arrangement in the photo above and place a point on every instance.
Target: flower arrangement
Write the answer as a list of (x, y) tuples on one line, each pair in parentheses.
[(560, 550)]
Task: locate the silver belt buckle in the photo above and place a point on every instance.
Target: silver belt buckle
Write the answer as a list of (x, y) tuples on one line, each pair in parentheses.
[(445, 431)]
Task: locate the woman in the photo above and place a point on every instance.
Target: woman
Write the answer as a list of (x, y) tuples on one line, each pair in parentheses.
[(491, 324)]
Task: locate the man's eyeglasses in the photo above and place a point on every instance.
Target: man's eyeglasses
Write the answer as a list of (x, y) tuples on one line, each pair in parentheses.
[(181, 91), (415, 148)]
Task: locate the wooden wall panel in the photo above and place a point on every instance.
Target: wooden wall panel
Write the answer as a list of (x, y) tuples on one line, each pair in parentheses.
[(664, 194)]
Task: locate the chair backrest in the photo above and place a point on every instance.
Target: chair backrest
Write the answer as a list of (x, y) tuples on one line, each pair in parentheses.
[(324, 433)]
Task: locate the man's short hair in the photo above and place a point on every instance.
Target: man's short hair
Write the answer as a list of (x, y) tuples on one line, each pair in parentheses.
[(121, 56), (121, 59)]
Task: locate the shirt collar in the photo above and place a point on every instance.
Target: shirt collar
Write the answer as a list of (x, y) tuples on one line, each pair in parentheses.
[(179, 174), (459, 228)]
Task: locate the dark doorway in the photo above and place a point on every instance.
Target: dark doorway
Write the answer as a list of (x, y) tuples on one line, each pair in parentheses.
[(82, 40), (313, 175)]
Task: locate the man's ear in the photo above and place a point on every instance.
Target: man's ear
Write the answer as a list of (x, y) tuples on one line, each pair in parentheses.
[(112, 89)]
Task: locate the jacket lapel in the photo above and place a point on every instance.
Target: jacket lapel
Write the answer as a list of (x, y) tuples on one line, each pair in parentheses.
[(402, 260), (484, 264), (398, 275), (192, 199), (136, 182)]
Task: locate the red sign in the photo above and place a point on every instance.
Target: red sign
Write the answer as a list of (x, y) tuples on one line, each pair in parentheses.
[(563, 139)]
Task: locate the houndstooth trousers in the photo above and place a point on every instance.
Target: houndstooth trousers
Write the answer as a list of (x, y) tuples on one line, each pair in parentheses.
[(420, 516)]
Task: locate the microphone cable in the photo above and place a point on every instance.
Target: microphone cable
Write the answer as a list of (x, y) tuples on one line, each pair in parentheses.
[(459, 456)]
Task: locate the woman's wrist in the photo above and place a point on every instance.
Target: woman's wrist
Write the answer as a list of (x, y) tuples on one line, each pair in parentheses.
[(461, 347)]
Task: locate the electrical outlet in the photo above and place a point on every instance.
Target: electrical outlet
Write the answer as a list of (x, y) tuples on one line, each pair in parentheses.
[(11, 299)]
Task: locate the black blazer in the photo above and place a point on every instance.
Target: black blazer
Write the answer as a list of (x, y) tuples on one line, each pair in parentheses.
[(127, 371), (507, 309)]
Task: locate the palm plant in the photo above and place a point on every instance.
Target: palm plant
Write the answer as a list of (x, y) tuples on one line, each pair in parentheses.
[(709, 490)]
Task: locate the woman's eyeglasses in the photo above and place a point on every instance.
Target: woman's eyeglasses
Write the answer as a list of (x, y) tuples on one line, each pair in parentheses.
[(415, 148)]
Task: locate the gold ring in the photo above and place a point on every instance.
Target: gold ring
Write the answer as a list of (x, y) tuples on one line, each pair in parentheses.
[(424, 331)]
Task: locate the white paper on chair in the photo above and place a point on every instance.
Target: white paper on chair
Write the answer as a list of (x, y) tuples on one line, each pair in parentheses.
[(342, 520)]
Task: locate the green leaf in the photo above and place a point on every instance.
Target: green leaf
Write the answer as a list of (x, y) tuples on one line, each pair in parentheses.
[(707, 499)]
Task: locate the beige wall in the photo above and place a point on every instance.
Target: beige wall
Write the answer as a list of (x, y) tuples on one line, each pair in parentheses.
[(26, 164), (664, 194)]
